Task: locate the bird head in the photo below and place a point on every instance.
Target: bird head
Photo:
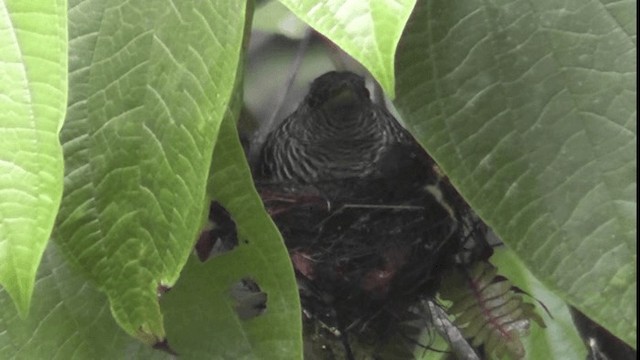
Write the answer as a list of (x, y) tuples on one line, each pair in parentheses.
[(337, 90)]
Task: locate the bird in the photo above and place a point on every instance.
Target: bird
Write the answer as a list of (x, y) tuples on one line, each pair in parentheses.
[(337, 133), (369, 219)]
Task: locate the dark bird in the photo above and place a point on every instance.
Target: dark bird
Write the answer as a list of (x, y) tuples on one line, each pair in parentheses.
[(345, 145), (369, 220), (336, 133)]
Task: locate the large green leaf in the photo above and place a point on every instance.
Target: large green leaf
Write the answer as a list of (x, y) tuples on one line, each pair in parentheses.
[(529, 107), (150, 82), (33, 96), (69, 319), (200, 315), (33, 68), (368, 30)]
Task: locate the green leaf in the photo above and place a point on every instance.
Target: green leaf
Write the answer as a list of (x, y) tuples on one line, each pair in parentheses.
[(560, 339), (275, 18), (199, 310), (33, 95), (150, 82), (69, 319), (497, 319), (529, 107), (368, 30)]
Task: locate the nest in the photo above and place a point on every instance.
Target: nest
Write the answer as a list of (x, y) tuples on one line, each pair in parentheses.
[(365, 258)]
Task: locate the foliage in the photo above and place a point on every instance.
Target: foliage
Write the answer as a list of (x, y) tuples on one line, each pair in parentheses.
[(33, 93), (489, 310), (529, 108)]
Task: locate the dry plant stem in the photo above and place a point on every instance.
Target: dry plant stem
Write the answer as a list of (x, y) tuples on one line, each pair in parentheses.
[(459, 345)]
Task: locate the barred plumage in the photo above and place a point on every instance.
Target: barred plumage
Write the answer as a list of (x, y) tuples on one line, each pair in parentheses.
[(330, 137), (360, 206)]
